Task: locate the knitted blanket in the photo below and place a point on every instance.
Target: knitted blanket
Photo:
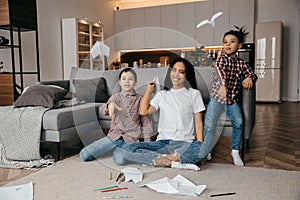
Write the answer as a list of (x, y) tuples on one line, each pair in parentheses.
[(20, 133)]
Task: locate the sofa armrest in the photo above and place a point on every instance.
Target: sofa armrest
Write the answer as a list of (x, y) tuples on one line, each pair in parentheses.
[(249, 108), (62, 83)]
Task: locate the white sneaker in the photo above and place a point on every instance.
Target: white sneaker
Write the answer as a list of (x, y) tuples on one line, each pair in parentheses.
[(209, 157), (236, 158), (180, 165)]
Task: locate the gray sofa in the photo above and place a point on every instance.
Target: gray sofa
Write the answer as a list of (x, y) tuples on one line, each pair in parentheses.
[(62, 124)]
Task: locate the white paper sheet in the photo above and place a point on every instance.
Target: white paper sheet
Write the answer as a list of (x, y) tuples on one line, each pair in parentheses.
[(133, 174), (20, 192), (178, 185)]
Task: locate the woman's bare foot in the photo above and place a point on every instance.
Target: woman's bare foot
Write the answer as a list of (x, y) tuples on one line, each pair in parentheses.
[(173, 157), (162, 162), (166, 160)]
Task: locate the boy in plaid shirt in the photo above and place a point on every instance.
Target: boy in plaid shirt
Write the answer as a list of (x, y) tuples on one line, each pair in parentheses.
[(228, 74)]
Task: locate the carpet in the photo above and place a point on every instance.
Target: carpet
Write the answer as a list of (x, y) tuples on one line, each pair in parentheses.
[(73, 179)]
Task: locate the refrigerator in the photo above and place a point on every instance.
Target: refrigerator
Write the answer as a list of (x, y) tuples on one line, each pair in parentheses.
[(268, 64)]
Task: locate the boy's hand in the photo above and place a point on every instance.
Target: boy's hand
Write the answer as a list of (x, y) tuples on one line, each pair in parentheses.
[(247, 83), (111, 108), (222, 91)]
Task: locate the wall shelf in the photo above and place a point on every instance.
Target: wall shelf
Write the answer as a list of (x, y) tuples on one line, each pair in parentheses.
[(14, 19), (78, 38)]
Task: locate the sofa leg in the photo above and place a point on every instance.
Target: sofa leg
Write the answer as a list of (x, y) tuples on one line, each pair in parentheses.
[(247, 143), (58, 150), (243, 150)]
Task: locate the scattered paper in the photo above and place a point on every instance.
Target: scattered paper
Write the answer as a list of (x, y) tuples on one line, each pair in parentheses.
[(21, 192), (99, 49), (178, 185), (133, 174)]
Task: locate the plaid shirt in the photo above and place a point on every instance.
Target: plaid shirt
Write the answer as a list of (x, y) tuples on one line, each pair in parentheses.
[(230, 72), (128, 123)]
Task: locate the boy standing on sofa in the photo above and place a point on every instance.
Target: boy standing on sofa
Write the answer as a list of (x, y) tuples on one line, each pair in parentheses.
[(228, 74), (126, 123)]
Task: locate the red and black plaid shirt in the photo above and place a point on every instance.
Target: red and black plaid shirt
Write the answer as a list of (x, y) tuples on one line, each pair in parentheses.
[(230, 72)]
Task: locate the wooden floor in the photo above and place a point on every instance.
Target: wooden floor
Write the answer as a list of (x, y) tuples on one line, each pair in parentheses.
[(275, 142)]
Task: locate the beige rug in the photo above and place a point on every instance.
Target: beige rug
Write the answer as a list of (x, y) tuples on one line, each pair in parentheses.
[(75, 180)]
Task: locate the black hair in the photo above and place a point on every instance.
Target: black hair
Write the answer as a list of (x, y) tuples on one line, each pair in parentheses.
[(239, 33), (190, 74), (128, 69)]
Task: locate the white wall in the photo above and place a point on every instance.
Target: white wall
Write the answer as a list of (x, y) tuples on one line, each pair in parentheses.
[(287, 12), (50, 14)]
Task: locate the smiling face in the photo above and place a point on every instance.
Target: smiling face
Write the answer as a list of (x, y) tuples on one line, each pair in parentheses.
[(178, 75), (127, 82), (231, 45)]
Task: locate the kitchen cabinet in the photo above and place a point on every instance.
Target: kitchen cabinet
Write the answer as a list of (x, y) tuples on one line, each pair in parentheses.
[(186, 25), (137, 30), (242, 13), (168, 24), (152, 27), (204, 34), (122, 38), (79, 36), (222, 23), (173, 26)]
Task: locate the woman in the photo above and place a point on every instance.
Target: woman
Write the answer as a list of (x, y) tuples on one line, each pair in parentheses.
[(181, 114)]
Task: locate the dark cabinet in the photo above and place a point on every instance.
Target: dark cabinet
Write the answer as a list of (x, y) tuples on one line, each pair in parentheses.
[(19, 16)]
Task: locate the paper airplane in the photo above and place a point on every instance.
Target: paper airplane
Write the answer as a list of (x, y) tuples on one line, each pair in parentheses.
[(212, 20), (178, 185), (133, 174), (157, 85), (99, 49)]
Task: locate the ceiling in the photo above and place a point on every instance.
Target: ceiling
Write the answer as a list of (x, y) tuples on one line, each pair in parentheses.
[(128, 4)]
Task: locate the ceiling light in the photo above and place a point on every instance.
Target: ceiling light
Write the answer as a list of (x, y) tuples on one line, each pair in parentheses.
[(129, 4)]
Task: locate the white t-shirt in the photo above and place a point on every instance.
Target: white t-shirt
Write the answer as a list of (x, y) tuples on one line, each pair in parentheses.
[(177, 108)]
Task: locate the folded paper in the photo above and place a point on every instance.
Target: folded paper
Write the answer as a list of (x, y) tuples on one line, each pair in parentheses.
[(99, 49), (178, 185), (133, 174)]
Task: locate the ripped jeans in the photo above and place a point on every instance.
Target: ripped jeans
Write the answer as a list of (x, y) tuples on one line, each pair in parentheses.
[(147, 152)]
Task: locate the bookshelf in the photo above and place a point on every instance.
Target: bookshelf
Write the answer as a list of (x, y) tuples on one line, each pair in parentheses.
[(79, 35)]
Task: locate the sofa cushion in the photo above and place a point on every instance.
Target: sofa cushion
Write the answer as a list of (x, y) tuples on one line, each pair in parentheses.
[(109, 75), (41, 95), (66, 117), (91, 90)]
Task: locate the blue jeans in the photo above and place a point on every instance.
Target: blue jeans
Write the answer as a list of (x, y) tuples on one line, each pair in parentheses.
[(99, 148), (147, 152), (234, 113)]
